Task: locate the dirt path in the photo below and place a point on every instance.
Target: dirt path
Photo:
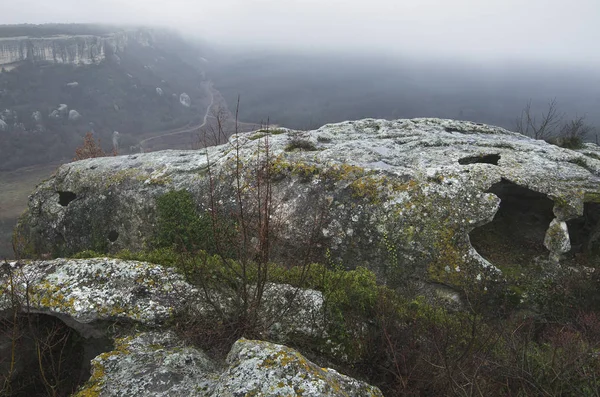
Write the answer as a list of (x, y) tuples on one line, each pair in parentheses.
[(186, 129)]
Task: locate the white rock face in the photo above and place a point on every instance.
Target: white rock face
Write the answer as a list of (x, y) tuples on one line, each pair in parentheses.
[(185, 100), (159, 91), (74, 115), (69, 49), (3, 125)]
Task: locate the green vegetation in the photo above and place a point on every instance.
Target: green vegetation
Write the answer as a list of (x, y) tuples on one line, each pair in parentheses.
[(300, 144), (111, 96), (180, 225)]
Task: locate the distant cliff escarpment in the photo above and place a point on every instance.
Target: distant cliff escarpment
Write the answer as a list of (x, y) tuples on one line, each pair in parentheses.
[(59, 82), (82, 49)]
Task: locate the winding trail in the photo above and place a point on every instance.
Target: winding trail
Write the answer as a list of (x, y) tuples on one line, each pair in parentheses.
[(186, 129)]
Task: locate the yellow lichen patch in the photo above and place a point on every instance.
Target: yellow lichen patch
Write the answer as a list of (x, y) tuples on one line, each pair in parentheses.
[(93, 386), (51, 296)]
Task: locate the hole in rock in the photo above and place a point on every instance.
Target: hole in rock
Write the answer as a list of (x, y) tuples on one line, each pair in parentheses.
[(64, 198), (45, 342), (516, 235), (113, 236), (584, 233), (485, 159)]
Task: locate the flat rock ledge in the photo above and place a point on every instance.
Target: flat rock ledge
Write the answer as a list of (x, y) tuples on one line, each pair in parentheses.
[(158, 364)]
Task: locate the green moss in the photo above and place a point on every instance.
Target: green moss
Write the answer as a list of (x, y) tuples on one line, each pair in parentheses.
[(300, 144)]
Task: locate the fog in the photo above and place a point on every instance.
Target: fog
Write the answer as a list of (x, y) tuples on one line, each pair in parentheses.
[(551, 31)]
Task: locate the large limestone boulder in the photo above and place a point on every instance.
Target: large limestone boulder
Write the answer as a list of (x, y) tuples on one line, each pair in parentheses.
[(159, 364), (407, 196)]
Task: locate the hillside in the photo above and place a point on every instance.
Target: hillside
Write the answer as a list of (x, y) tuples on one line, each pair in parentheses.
[(59, 82)]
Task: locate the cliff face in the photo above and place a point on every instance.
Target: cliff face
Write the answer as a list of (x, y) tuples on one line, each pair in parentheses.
[(68, 49)]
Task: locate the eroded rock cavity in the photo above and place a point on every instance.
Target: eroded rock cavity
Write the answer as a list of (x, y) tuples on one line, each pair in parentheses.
[(517, 233), (64, 198), (41, 354), (584, 233)]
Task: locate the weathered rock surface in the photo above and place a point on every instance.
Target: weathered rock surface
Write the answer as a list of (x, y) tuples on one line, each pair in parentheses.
[(86, 294), (3, 125), (153, 364), (265, 369), (413, 188), (86, 291), (89, 290)]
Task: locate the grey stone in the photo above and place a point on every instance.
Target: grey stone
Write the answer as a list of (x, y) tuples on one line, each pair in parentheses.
[(159, 364), (152, 364), (259, 368), (89, 290), (557, 237), (74, 115), (159, 91), (3, 125), (417, 188)]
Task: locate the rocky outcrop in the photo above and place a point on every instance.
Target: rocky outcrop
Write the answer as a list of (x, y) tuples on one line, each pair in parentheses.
[(158, 364), (86, 292), (69, 49), (405, 195), (100, 298)]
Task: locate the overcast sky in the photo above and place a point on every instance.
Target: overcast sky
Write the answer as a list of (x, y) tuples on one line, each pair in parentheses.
[(545, 30)]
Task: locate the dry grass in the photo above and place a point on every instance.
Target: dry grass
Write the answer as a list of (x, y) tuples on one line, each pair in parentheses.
[(15, 188)]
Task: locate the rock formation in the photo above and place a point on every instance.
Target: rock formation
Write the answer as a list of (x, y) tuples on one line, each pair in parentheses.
[(422, 188), (68, 49), (89, 294)]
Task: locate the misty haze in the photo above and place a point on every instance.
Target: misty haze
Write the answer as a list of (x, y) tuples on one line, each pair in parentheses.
[(237, 197)]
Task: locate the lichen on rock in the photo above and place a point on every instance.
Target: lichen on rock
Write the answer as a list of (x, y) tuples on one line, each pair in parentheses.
[(423, 184)]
